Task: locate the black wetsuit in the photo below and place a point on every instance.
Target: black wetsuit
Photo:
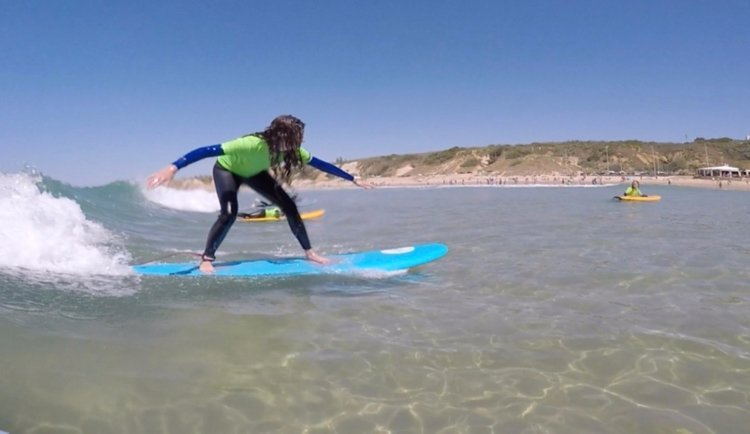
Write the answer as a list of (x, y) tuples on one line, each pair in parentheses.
[(227, 186)]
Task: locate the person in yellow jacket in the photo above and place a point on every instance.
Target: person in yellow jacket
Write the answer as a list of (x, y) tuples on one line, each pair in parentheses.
[(267, 212), (633, 190)]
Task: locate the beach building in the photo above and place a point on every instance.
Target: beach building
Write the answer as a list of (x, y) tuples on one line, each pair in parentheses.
[(723, 171)]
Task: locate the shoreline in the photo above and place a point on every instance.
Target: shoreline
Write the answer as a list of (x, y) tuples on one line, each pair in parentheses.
[(471, 180), (736, 184)]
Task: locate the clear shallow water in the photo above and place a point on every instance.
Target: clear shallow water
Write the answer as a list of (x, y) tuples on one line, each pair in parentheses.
[(556, 310)]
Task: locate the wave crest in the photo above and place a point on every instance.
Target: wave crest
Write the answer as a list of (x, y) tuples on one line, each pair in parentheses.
[(43, 231)]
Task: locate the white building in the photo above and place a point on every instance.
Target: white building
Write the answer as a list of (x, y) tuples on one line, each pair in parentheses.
[(723, 171)]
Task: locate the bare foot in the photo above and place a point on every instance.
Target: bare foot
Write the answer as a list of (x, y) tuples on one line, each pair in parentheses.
[(206, 267), (312, 256)]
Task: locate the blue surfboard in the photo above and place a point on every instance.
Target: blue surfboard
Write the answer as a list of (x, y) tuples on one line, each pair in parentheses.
[(388, 260)]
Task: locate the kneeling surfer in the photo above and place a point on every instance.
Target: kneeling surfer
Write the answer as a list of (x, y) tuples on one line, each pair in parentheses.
[(633, 190)]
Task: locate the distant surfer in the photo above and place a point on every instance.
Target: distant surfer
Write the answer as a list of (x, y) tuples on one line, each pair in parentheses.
[(265, 210), (249, 160), (633, 190), (273, 212)]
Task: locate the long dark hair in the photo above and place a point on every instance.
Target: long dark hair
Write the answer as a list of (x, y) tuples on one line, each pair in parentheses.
[(284, 137)]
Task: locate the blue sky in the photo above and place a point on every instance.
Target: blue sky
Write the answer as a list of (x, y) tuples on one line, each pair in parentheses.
[(97, 91)]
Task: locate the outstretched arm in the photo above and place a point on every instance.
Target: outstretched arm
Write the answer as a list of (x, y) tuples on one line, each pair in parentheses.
[(336, 171), (198, 154), (166, 174)]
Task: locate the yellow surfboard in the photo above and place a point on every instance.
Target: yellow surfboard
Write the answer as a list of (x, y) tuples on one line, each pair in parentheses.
[(651, 198), (315, 214)]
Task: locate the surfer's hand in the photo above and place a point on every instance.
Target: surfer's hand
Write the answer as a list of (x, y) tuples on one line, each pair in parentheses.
[(364, 184), (314, 257), (163, 176)]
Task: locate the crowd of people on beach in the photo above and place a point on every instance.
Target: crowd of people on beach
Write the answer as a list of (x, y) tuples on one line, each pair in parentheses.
[(536, 180)]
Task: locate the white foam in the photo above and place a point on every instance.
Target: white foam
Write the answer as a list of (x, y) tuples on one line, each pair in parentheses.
[(196, 200), (398, 251), (40, 232), (377, 274)]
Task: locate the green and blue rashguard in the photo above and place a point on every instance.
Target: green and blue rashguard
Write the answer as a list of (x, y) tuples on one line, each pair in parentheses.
[(246, 160), (249, 155)]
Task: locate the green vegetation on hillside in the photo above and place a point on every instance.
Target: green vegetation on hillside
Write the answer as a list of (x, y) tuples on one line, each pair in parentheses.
[(572, 157), (564, 158)]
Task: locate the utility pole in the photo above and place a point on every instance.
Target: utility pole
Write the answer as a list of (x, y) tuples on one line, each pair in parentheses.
[(705, 147), (606, 149), (656, 174)]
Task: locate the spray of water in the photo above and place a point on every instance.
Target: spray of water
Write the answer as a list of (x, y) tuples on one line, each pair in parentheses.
[(43, 233), (195, 200)]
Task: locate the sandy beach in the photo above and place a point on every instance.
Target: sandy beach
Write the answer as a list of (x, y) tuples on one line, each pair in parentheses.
[(324, 182)]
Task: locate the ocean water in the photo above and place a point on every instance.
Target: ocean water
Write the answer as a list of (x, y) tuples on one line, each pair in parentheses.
[(556, 310)]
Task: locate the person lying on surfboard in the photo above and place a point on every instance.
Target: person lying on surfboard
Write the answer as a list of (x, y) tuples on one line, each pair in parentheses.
[(633, 190), (251, 160), (267, 212)]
